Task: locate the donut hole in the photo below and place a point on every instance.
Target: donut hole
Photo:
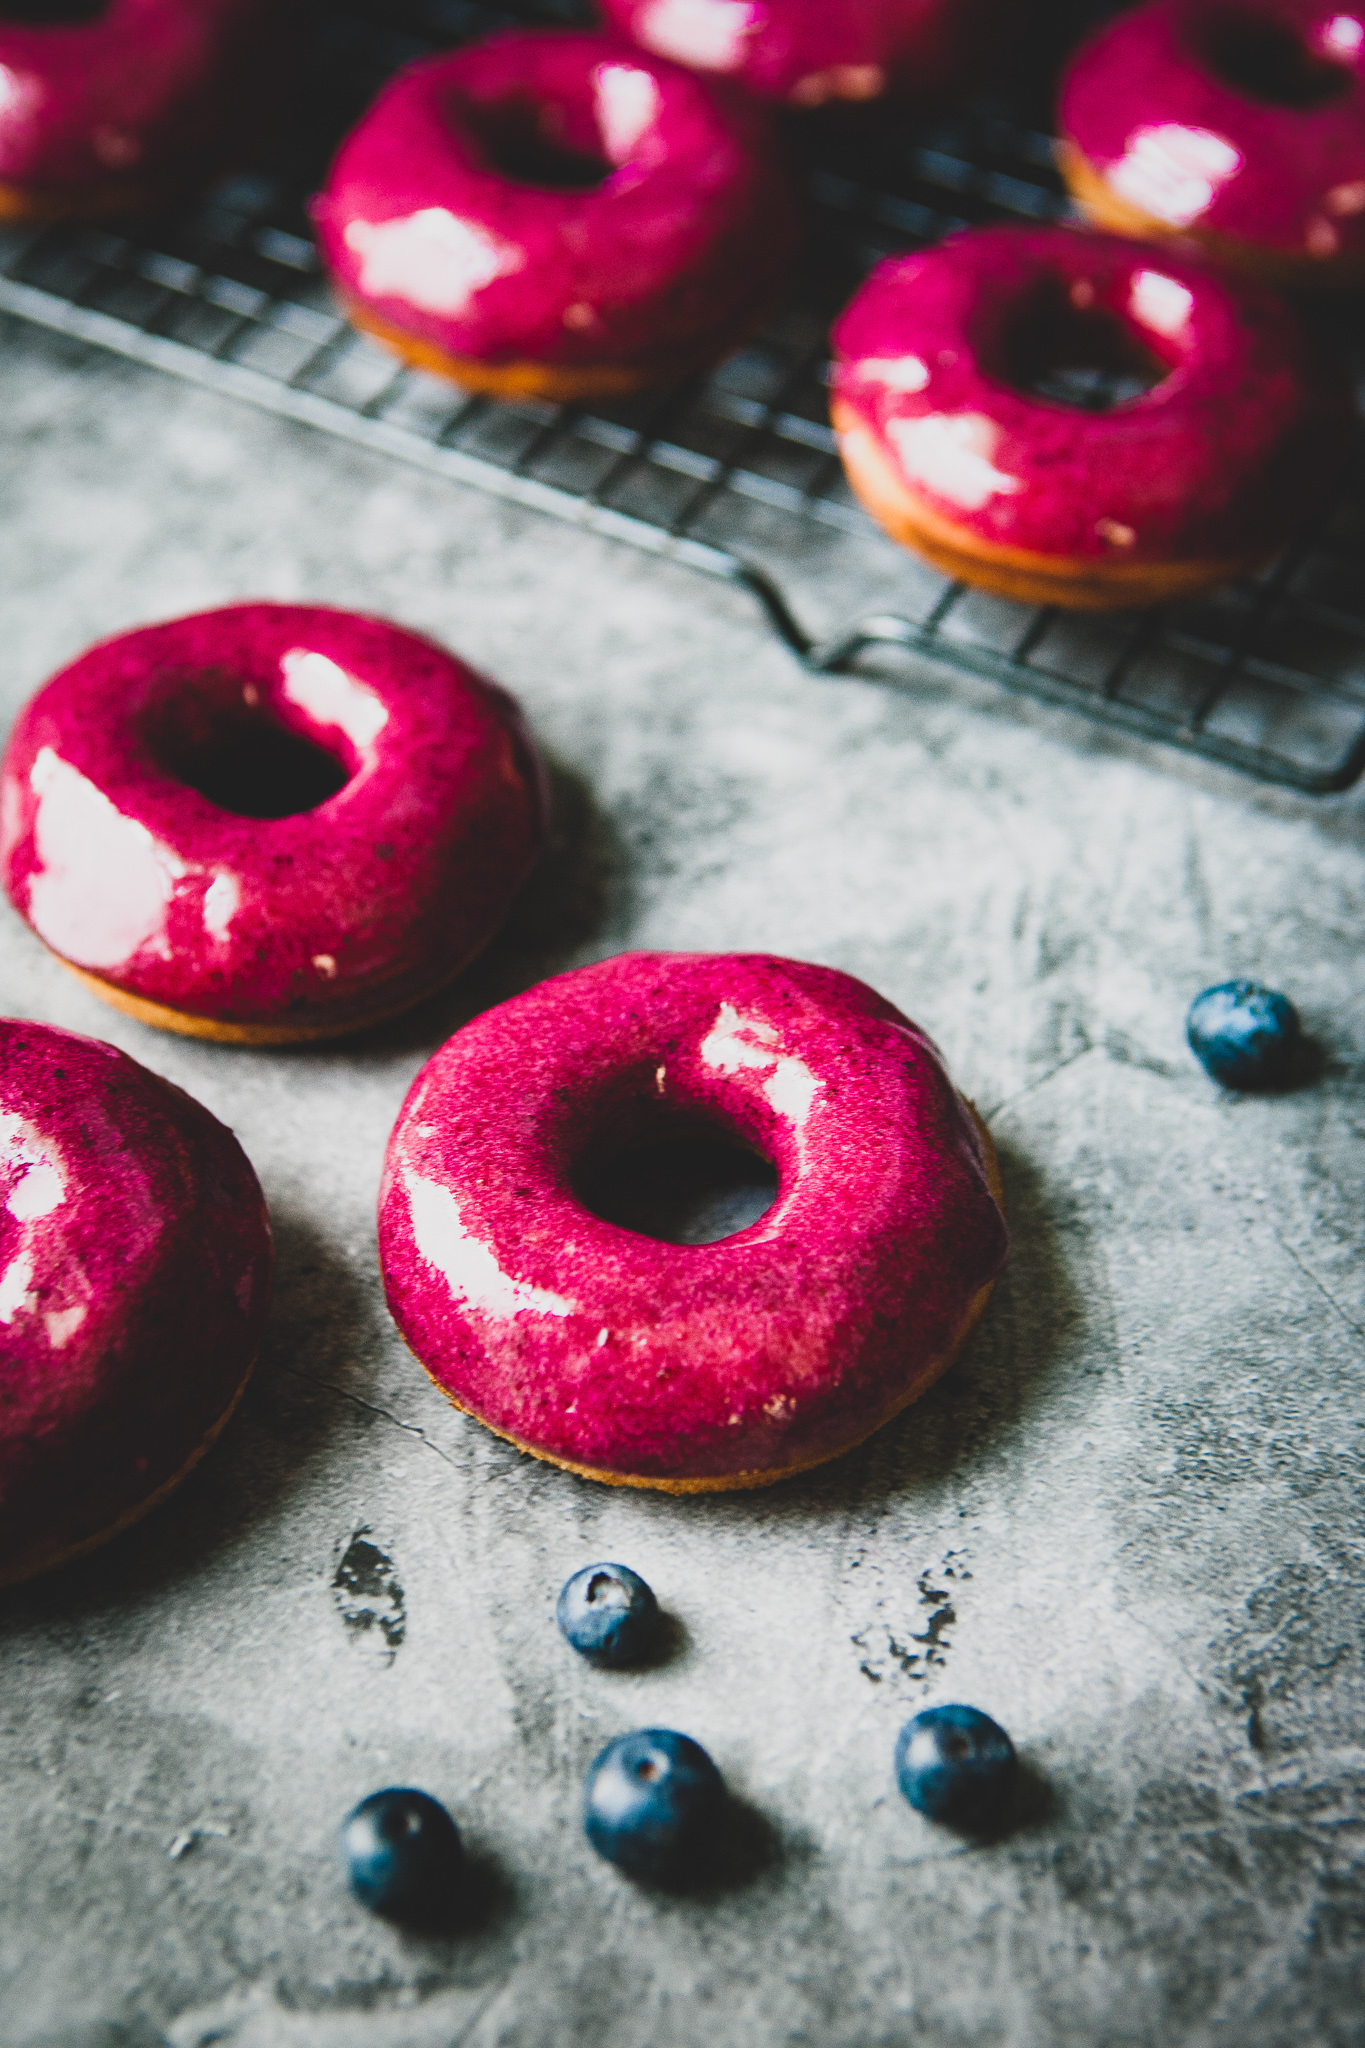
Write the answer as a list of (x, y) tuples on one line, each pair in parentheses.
[(1267, 59), (52, 13), (242, 759), (690, 1184), (1078, 355), (551, 145)]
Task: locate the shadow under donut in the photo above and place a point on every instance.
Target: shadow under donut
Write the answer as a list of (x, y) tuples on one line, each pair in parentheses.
[(289, 1418), (578, 895)]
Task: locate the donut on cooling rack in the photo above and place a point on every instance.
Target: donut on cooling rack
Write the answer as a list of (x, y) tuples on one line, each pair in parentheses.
[(108, 106), (689, 1368), (810, 52), (942, 410), (557, 215), (1239, 124), (270, 823), (134, 1283)]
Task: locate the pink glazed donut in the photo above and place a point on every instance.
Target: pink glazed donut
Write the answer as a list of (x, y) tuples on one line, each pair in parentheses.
[(689, 1368), (556, 215), (270, 823), (108, 105), (134, 1284), (1184, 486), (1237, 123), (809, 52)]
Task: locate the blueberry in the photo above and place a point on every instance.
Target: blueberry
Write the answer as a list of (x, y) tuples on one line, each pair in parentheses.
[(402, 1854), (654, 1805), (955, 1764), (609, 1615), (1244, 1035)]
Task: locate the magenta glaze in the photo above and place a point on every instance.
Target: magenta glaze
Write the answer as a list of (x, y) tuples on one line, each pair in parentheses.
[(591, 1344), (339, 913), (1143, 105), (813, 51), (695, 225), (1219, 459), (148, 90), (134, 1284)]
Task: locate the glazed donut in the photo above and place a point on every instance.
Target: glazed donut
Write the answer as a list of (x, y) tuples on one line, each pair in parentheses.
[(109, 105), (689, 1368), (809, 52), (134, 1284), (556, 215), (1186, 485), (1239, 124), (269, 823)]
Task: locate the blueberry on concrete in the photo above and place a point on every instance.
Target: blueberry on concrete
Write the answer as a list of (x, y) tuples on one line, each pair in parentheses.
[(1244, 1035), (654, 1805), (956, 1765), (402, 1854), (609, 1615)]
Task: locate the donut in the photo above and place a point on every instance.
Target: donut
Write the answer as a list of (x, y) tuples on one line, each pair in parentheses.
[(811, 52), (688, 1368), (1237, 124), (134, 1284), (950, 444), (108, 106), (558, 216), (269, 823)]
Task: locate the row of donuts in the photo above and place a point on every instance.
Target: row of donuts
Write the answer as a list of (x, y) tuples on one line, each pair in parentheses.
[(1238, 123), (111, 106), (274, 823), (536, 214), (568, 216)]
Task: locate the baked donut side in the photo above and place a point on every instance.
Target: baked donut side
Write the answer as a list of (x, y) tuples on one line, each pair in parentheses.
[(557, 215), (1194, 480), (1234, 125), (135, 1265), (688, 1368), (268, 824), (811, 53), (109, 109)]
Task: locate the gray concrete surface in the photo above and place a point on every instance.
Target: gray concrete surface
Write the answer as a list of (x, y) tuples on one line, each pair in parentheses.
[(1128, 1524)]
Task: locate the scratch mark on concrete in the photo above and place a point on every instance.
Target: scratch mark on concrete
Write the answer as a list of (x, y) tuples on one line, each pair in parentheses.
[(1309, 1274), (1032, 1087), (370, 1408)]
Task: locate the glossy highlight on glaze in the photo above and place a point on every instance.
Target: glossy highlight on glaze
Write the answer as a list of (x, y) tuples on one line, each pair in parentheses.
[(295, 925), (134, 1284), (811, 52), (110, 111), (1239, 121), (559, 199), (1220, 459), (688, 1366)]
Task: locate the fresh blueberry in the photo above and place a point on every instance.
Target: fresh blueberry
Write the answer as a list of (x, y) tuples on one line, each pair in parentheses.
[(402, 1854), (1244, 1035), (955, 1764), (654, 1805), (609, 1615)]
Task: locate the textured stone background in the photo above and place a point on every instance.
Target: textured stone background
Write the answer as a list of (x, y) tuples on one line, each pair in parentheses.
[(1128, 1524)]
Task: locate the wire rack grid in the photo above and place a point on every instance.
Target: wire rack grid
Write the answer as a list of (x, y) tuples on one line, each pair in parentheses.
[(737, 474)]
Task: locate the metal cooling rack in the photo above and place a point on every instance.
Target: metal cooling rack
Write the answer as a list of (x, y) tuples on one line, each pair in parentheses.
[(735, 475)]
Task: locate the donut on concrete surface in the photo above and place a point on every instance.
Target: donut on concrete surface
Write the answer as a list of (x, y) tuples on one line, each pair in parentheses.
[(680, 1366), (269, 823), (134, 1284)]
